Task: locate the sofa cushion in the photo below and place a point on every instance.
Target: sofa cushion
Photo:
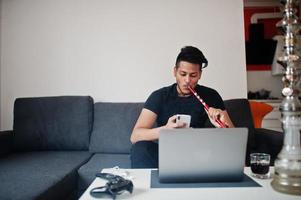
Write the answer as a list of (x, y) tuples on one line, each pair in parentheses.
[(40, 175), (6, 140), (240, 113), (113, 125), (98, 162), (53, 123)]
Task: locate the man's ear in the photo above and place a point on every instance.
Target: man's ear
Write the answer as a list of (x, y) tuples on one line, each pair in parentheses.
[(174, 71), (200, 74)]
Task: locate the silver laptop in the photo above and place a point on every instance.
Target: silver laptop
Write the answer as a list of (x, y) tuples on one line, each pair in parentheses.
[(202, 155)]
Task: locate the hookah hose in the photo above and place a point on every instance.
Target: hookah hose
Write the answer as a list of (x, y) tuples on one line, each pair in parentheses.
[(206, 107)]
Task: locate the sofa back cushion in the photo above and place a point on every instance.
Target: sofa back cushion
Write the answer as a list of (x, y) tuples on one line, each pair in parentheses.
[(240, 113), (53, 123), (112, 127)]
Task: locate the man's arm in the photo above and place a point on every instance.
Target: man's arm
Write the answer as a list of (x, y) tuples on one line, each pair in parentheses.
[(143, 130)]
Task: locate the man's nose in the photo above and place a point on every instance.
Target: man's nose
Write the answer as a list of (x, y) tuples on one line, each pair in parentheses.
[(187, 79)]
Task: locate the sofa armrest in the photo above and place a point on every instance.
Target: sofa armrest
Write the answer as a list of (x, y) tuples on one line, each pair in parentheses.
[(6, 140), (268, 141)]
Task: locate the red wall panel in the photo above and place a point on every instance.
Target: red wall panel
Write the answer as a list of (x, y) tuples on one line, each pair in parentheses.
[(269, 24)]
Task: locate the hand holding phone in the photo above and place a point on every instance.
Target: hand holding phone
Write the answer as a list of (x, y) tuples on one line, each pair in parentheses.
[(183, 119)]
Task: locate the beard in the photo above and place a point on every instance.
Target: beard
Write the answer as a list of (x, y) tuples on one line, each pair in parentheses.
[(183, 90)]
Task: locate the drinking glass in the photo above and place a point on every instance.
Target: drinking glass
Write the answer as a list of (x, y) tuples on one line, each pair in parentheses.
[(260, 165)]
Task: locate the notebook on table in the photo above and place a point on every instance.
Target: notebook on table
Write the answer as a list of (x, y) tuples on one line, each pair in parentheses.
[(202, 155)]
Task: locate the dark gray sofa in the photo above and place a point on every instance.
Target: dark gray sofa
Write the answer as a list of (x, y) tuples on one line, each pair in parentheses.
[(49, 142), (58, 143)]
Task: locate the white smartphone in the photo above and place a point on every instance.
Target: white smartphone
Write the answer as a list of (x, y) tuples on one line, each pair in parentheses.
[(184, 119)]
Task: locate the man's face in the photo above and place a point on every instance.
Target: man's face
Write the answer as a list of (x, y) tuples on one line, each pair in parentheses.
[(186, 74)]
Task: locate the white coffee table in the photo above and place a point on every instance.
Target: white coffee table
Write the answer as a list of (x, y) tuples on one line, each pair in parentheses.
[(142, 190)]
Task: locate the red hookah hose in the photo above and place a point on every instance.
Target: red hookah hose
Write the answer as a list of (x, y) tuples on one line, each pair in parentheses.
[(206, 107)]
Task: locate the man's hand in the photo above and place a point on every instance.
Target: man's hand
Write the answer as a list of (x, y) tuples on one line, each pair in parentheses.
[(214, 114), (171, 123)]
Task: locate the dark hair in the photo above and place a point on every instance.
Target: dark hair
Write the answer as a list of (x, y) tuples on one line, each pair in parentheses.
[(192, 55)]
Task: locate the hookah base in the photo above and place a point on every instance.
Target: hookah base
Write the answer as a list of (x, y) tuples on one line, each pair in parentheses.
[(290, 183)]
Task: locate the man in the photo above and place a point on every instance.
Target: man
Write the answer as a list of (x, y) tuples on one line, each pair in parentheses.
[(163, 105)]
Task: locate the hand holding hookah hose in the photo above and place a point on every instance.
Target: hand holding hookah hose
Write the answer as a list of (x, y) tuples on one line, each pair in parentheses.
[(206, 107)]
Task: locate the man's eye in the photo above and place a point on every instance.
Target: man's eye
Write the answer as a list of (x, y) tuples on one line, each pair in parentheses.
[(183, 74)]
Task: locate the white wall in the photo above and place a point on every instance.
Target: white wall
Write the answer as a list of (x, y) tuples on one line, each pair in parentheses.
[(258, 80), (115, 50)]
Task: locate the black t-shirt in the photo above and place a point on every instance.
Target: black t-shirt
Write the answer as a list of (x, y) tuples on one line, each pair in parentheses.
[(165, 102)]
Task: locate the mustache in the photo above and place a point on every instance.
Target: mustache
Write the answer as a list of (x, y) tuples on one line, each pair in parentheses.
[(187, 86)]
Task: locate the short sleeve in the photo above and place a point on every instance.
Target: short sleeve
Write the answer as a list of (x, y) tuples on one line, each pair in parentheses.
[(153, 102)]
